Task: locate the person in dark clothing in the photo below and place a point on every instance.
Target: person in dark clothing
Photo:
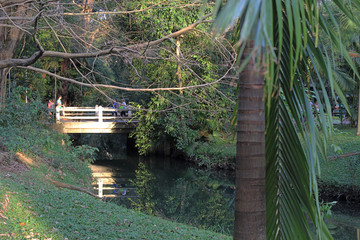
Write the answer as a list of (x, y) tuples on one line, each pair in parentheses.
[(116, 107)]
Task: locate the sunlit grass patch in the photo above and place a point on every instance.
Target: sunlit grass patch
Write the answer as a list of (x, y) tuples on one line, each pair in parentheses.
[(19, 219), (40, 210)]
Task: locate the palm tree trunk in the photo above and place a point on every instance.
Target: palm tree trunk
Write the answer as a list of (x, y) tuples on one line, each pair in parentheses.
[(250, 205)]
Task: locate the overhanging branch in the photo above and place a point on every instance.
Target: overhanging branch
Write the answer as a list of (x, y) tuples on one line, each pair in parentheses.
[(7, 3), (20, 62), (117, 87), (114, 50)]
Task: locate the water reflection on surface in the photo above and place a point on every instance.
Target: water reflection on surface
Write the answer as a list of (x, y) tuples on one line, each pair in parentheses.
[(173, 189), (344, 223), (343, 232)]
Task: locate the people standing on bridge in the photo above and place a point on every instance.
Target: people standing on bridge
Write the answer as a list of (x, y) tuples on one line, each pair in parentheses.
[(116, 107), (59, 105), (51, 106), (123, 108)]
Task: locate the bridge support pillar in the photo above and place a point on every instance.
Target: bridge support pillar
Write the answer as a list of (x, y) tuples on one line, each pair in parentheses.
[(99, 110)]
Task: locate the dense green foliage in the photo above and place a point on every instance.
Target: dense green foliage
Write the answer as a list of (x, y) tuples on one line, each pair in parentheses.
[(25, 128), (190, 124), (189, 119)]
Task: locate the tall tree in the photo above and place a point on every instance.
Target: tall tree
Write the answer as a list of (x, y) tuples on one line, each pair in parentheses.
[(12, 29), (278, 41), (129, 30), (138, 49)]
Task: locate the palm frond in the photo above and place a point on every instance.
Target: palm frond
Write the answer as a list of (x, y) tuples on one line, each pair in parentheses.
[(286, 33)]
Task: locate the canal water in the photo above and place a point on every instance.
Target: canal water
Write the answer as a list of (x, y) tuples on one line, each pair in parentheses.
[(170, 189), (176, 190)]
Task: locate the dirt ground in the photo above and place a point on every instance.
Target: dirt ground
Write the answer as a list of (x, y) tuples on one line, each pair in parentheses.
[(10, 164)]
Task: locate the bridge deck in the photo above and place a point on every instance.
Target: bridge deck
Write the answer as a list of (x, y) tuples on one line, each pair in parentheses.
[(95, 120)]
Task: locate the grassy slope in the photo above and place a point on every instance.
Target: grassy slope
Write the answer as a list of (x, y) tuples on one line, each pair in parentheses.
[(31, 207), (339, 179), (342, 171)]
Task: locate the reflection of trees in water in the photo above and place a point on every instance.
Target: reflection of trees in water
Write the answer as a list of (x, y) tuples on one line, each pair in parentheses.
[(195, 199), (199, 203), (111, 146), (144, 183)]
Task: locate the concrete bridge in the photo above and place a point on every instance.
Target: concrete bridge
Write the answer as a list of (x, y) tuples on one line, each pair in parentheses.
[(96, 119)]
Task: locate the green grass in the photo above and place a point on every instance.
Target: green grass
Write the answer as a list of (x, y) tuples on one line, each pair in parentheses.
[(215, 154), (30, 207), (342, 171)]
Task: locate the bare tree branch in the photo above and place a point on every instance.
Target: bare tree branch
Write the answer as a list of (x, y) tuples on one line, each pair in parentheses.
[(122, 88), (20, 62), (114, 50), (7, 3)]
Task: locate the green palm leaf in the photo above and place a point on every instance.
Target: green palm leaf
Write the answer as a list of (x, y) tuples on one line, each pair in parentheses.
[(286, 42)]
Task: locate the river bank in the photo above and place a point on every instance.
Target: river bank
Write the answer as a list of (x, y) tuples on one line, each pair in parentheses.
[(46, 191), (339, 179), (31, 206)]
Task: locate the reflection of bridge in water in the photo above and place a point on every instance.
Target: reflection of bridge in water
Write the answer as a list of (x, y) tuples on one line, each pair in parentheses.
[(96, 120)]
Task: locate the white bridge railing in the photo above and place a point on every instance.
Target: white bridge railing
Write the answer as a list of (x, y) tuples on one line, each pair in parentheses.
[(93, 114)]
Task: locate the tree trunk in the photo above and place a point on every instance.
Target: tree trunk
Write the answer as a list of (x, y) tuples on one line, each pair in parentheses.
[(178, 71), (10, 38), (64, 90), (250, 201), (2, 85), (72, 187)]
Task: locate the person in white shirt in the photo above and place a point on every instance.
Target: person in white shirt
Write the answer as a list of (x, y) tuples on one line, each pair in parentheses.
[(122, 108)]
